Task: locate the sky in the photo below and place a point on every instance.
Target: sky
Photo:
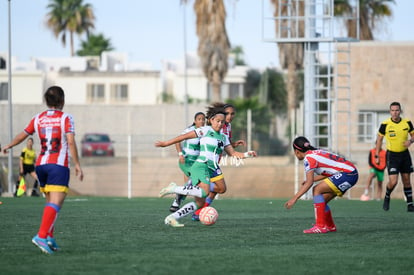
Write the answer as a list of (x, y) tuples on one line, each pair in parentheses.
[(153, 31)]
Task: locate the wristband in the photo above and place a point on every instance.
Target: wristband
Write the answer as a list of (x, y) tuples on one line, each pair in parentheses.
[(180, 154), (246, 155)]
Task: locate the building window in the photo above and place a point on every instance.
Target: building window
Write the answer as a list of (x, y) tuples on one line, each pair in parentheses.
[(4, 91), (119, 93), (96, 93), (368, 125)]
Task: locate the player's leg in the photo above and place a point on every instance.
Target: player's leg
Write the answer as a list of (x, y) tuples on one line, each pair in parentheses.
[(323, 193), (184, 211), (392, 182), (394, 161), (406, 170), (185, 167), (380, 180), (200, 177), (175, 205), (35, 191), (408, 191), (365, 195), (319, 206), (55, 196), (217, 186)]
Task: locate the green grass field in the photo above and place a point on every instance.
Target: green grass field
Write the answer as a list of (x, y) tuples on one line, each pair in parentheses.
[(121, 236)]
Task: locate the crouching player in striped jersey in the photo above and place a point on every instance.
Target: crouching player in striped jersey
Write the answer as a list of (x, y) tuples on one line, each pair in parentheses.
[(336, 174)]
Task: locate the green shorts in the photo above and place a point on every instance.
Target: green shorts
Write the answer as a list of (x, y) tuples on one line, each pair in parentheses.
[(201, 173), (185, 167), (379, 174)]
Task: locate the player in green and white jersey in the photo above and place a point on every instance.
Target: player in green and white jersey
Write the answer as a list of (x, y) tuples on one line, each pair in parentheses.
[(188, 151), (212, 143)]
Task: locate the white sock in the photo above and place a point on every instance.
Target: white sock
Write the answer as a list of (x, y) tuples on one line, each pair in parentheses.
[(366, 192), (185, 210), (190, 191)]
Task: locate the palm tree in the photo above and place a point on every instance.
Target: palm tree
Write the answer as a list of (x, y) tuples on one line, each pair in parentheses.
[(95, 45), (371, 12), (69, 16), (213, 45), (290, 54), (237, 53)]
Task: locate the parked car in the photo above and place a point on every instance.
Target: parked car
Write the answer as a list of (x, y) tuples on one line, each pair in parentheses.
[(97, 144)]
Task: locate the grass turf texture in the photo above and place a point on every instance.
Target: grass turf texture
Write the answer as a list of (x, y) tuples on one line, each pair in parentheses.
[(121, 236)]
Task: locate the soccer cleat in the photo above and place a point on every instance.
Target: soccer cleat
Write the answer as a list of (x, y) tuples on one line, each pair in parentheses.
[(168, 190), (386, 205), (410, 208), (176, 203), (365, 197), (52, 243), (316, 230), (171, 221), (42, 244), (195, 217), (174, 208), (331, 228)]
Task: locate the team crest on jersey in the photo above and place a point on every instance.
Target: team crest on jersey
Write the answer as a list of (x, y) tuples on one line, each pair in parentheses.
[(211, 134)]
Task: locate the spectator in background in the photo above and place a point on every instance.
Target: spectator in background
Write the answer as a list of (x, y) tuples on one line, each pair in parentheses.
[(376, 170)]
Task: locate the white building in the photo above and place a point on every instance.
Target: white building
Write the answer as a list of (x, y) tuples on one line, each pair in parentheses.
[(112, 79)]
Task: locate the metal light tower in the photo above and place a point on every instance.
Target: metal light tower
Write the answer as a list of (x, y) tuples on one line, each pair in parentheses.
[(323, 100), (10, 158)]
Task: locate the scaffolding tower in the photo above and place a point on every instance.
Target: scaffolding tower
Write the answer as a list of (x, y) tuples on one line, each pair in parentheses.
[(326, 64), (327, 97)]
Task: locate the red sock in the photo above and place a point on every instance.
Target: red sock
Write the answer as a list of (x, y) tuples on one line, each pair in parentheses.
[(197, 212), (329, 220), (320, 214), (48, 220), (51, 231)]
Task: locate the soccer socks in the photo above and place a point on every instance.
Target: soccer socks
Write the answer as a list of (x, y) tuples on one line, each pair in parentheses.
[(328, 218), (190, 190), (185, 210), (319, 206), (48, 220), (388, 193), (408, 192)]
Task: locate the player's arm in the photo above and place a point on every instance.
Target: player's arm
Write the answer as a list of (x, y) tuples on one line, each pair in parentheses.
[(21, 162), (177, 139), (233, 153), (411, 132), (238, 143), (378, 147), (307, 184), (70, 137), (16, 140), (179, 152)]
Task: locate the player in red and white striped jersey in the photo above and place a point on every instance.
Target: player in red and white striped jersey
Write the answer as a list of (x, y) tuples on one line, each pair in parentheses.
[(56, 133), (336, 176)]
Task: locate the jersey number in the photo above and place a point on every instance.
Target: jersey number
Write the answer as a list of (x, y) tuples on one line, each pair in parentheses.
[(53, 144)]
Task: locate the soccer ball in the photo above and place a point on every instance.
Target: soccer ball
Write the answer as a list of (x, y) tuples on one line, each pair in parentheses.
[(208, 215)]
